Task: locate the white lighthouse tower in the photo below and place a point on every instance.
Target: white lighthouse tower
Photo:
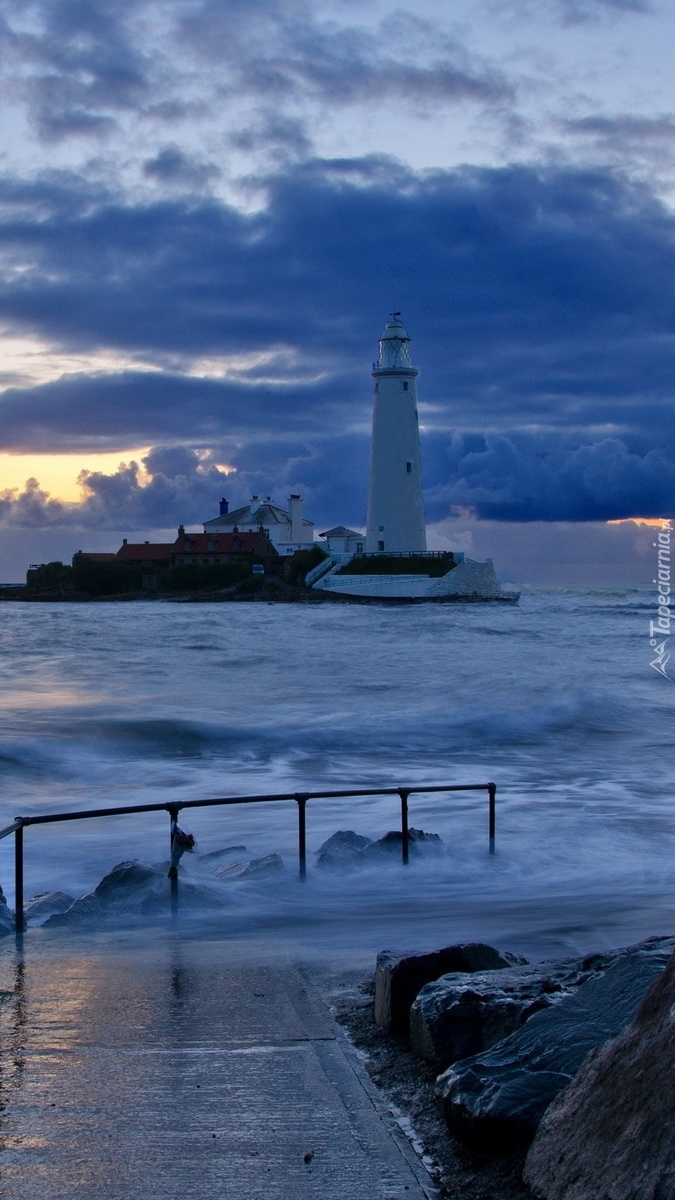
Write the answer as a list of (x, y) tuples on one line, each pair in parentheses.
[(395, 507)]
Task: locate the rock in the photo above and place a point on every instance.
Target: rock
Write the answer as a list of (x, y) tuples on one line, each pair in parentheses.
[(346, 848), (123, 878), (342, 849), (252, 867), (399, 978), (6, 916), (227, 852), (460, 1015), (85, 909), (389, 846), (132, 889), (500, 1096), (45, 904), (611, 1133)]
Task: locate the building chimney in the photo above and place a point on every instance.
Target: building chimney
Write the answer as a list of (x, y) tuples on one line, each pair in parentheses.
[(295, 513), (254, 504), (124, 542), (181, 531), (224, 505)]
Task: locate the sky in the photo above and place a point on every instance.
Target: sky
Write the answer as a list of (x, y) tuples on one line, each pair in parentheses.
[(209, 207)]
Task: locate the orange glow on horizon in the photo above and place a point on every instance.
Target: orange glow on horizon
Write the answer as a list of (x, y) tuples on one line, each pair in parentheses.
[(655, 521), (57, 473)]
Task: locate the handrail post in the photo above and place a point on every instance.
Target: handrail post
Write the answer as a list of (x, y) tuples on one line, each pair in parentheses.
[(301, 802), (173, 811), (19, 918), (405, 841), (492, 792)]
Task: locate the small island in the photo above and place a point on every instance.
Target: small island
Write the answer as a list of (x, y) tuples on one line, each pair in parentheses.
[(261, 551)]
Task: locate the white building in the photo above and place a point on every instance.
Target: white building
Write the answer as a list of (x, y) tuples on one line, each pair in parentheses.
[(287, 530), (341, 540), (396, 534), (395, 505)]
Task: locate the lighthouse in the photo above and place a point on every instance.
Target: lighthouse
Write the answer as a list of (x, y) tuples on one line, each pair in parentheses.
[(395, 506)]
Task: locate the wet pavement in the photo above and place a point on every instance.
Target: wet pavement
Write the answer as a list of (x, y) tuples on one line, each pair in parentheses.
[(173, 1068)]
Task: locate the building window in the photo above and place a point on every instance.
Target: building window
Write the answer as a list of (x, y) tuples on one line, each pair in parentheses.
[(359, 547), (380, 545), (405, 385), (377, 387), (381, 528), (408, 467)]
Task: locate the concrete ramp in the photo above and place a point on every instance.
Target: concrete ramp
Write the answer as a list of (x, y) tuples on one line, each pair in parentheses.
[(185, 1070)]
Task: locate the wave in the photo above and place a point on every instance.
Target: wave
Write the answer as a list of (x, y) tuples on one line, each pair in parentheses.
[(313, 744)]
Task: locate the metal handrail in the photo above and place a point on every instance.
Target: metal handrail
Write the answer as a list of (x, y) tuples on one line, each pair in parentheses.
[(175, 807)]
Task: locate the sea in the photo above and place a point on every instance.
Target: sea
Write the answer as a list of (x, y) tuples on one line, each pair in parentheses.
[(554, 699)]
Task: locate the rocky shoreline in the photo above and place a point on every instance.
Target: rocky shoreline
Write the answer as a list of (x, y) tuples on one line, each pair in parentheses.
[(549, 1080), (271, 591)]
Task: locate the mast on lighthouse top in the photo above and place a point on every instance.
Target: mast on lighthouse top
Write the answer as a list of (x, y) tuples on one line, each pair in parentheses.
[(394, 347)]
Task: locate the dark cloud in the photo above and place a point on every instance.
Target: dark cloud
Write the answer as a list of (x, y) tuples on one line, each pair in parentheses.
[(624, 137), (107, 412), (79, 62), (33, 508), (525, 477), (557, 256), (172, 166), (574, 12), (620, 128), (542, 306), (269, 131), (281, 51)]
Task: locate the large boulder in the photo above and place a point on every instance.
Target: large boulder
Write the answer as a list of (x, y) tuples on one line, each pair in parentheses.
[(342, 849), (461, 1015), (249, 868), (499, 1097), (346, 849), (131, 889), (45, 904), (390, 846), (399, 978), (611, 1134), (125, 880), (84, 911)]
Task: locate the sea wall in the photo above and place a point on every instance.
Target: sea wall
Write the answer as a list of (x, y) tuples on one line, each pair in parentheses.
[(391, 586), (468, 578)]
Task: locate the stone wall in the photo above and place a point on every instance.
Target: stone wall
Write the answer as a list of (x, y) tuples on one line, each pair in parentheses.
[(467, 579)]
